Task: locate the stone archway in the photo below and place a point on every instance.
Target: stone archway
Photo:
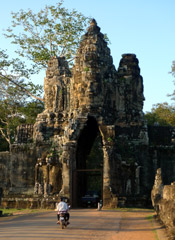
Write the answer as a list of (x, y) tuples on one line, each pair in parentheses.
[(88, 173)]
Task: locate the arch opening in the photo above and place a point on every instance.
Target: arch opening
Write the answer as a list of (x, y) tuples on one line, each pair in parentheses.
[(88, 176)]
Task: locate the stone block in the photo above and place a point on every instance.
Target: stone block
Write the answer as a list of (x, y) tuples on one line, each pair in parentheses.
[(169, 192)]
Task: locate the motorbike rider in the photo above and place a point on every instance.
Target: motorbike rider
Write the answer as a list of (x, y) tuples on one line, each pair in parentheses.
[(62, 207)]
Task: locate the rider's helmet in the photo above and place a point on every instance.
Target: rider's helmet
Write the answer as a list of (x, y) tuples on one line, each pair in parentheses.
[(62, 199)]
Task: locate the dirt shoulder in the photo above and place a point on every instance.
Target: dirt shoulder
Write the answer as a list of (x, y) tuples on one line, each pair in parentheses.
[(140, 224)]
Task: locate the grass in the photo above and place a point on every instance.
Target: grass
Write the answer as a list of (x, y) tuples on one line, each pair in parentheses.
[(130, 209), (150, 219), (14, 211)]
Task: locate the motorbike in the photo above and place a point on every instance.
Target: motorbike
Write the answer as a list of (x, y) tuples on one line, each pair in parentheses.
[(63, 221)]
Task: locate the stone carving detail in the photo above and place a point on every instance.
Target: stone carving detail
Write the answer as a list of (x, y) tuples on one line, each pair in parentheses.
[(24, 133), (157, 190), (163, 200), (55, 85)]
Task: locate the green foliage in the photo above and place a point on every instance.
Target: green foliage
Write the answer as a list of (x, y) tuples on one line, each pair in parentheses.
[(14, 113), (172, 95), (15, 105), (109, 139), (106, 39), (53, 151), (86, 69), (14, 211), (173, 68), (13, 73), (53, 31), (31, 109), (161, 114)]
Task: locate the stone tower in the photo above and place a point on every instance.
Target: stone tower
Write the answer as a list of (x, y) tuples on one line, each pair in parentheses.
[(94, 101)]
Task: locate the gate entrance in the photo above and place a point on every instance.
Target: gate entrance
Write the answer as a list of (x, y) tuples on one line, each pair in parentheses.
[(89, 186), (88, 175)]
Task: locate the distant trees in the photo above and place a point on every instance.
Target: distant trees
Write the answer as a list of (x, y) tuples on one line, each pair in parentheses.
[(15, 98), (161, 114), (173, 73)]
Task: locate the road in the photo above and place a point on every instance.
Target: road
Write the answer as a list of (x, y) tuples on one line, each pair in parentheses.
[(84, 224)]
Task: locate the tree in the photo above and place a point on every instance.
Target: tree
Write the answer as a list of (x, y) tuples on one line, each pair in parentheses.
[(173, 68), (53, 31), (162, 114), (14, 71), (173, 73), (16, 110), (15, 93)]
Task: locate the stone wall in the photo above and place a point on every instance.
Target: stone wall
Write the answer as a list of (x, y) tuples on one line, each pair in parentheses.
[(24, 133), (166, 208), (29, 201), (163, 200), (162, 151), (17, 170), (5, 177)]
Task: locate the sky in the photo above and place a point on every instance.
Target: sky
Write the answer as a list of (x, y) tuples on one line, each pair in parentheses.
[(142, 27)]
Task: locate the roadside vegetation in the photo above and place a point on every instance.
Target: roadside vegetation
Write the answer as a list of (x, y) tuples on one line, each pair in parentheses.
[(13, 211), (150, 218)]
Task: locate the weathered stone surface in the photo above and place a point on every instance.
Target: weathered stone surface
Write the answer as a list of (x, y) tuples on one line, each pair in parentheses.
[(163, 199), (31, 202), (130, 85), (157, 191), (5, 178), (56, 85), (24, 134)]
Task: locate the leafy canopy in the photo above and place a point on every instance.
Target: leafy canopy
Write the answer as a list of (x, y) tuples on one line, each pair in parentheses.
[(13, 75), (15, 105), (53, 31), (162, 114)]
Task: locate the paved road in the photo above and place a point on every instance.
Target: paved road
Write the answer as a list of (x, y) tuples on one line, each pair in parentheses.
[(85, 224)]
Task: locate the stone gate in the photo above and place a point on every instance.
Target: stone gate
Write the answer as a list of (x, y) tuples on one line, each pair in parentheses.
[(95, 100), (92, 133)]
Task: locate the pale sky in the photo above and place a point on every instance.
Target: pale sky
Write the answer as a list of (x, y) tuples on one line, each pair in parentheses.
[(142, 27)]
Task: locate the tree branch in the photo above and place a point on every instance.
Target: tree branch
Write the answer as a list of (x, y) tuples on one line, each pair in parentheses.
[(22, 88), (3, 134)]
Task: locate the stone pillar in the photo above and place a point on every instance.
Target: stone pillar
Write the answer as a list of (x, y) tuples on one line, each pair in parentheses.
[(137, 180), (47, 187), (108, 136), (106, 178), (67, 160), (109, 198), (36, 188)]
